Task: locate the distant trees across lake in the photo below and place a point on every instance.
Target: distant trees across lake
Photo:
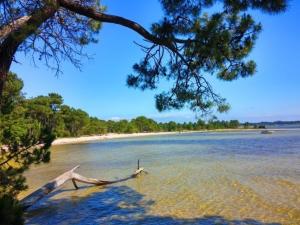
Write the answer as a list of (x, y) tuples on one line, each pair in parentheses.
[(52, 116), (93, 125)]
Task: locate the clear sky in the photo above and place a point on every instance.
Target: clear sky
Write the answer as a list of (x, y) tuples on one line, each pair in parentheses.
[(100, 88)]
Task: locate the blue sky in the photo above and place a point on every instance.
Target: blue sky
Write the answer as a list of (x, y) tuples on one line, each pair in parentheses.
[(100, 88)]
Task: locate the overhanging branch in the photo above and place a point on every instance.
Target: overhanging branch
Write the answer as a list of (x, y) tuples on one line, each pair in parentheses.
[(102, 17), (14, 25)]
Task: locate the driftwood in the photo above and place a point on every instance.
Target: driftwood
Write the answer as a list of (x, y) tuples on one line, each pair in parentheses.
[(75, 177)]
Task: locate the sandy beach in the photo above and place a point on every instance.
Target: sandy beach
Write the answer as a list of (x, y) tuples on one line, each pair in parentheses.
[(83, 139)]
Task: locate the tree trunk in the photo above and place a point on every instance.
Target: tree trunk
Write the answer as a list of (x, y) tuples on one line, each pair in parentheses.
[(16, 37), (5, 62), (69, 175), (3, 76), (14, 25)]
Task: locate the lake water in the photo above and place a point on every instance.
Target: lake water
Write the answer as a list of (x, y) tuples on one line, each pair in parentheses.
[(196, 178)]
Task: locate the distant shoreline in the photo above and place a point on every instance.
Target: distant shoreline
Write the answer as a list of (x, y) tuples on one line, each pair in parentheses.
[(109, 136)]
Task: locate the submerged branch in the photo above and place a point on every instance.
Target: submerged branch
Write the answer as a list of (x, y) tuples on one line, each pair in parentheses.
[(69, 175)]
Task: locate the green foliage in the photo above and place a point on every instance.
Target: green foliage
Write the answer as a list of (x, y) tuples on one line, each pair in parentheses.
[(144, 124), (26, 132), (95, 126), (11, 94), (206, 37), (74, 120)]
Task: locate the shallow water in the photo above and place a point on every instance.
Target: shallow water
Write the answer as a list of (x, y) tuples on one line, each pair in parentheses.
[(195, 178)]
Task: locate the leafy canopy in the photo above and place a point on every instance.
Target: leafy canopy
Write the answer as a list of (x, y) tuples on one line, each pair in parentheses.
[(27, 129), (208, 38)]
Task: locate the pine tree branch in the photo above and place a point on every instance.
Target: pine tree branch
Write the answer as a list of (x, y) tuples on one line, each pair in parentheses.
[(102, 17)]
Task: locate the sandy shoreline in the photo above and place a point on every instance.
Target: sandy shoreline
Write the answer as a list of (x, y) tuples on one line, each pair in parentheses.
[(83, 139)]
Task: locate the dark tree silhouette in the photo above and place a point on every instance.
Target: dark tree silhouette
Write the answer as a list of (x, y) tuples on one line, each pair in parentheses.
[(195, 38)]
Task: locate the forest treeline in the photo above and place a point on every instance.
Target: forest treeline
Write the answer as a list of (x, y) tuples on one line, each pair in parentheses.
[(49, 113)]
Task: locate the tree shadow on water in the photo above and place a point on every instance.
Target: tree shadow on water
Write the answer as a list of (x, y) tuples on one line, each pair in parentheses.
[(113, 205)]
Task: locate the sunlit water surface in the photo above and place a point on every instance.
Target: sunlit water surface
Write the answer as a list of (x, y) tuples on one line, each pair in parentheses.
[(195, 178)]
